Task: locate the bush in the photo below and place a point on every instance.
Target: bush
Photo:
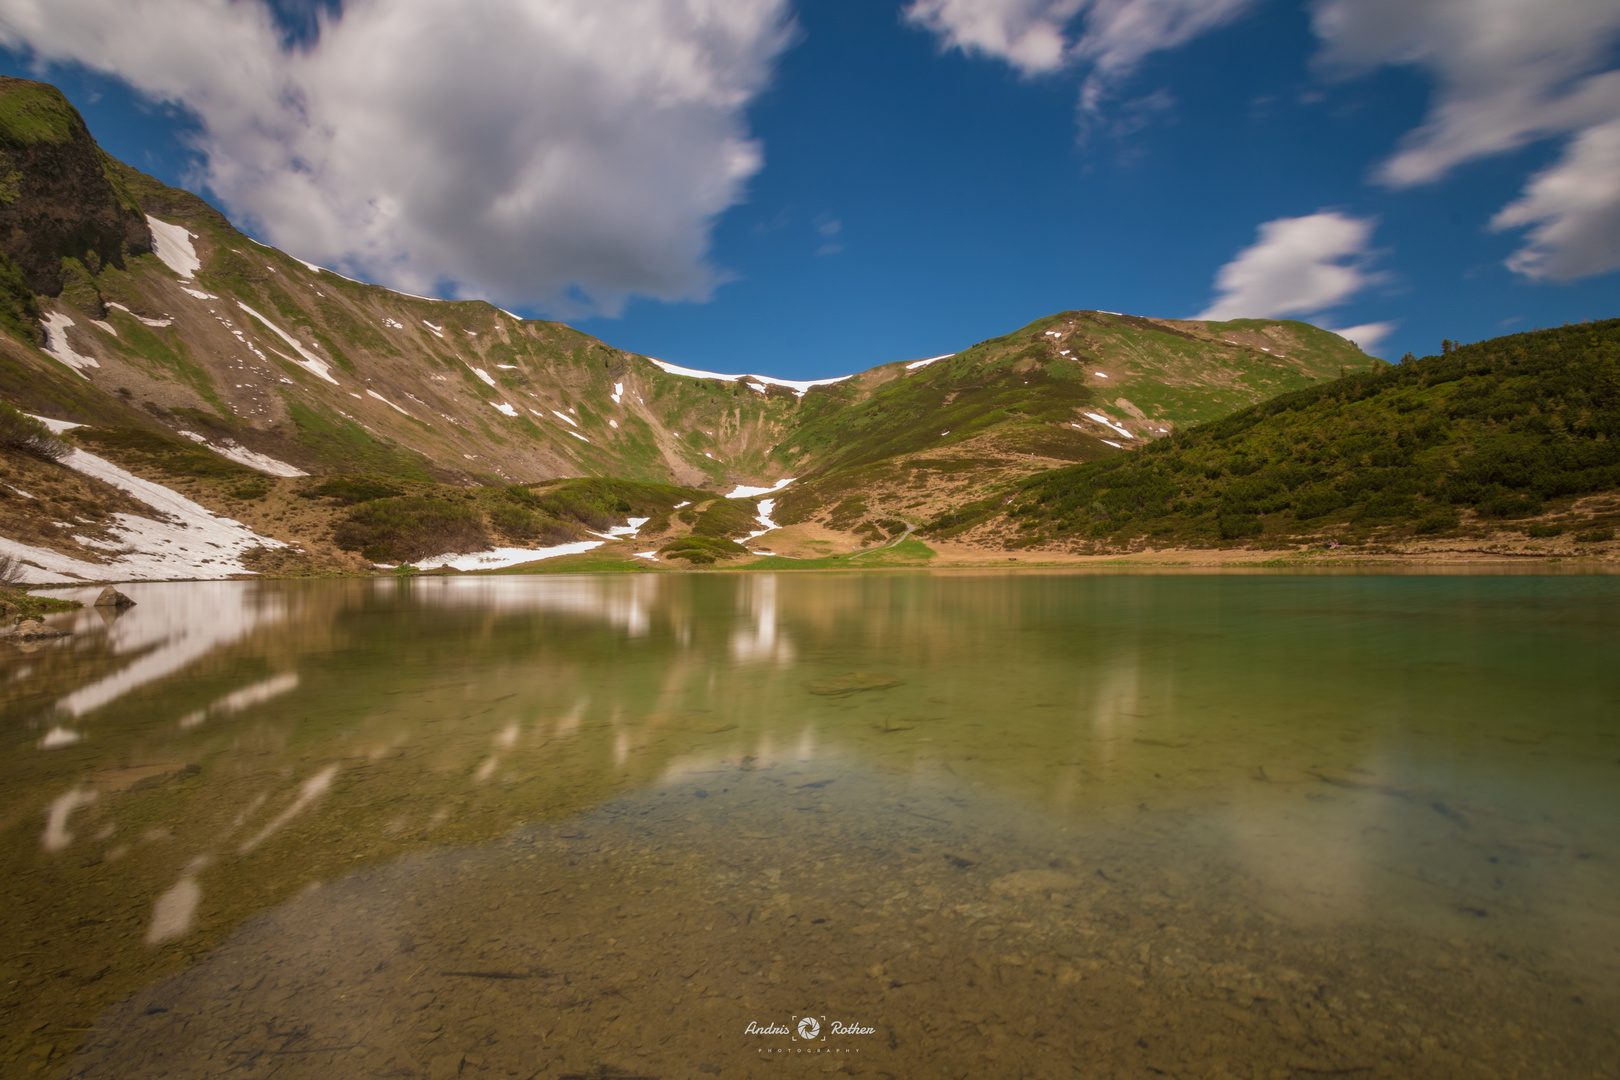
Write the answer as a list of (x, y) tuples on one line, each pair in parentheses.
[(351, 490), (19, 431), (1235, 528), (702, 550), (1436, 523), (1544, 530), (1594, 536), (401, 530), (257, 488), (527, 526)]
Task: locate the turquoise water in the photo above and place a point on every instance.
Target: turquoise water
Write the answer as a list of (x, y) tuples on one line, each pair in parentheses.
[(1014, 824)]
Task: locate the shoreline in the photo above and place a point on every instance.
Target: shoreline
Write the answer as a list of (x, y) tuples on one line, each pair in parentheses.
[(1168, 560)]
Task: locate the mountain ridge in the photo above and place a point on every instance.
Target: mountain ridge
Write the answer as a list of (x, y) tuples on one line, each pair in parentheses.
[(212, 340)]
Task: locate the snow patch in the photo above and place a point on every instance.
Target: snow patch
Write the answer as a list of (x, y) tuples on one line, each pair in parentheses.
[(56, 427), (107, 326), (565, 416), (578, 436), (437, 330), (501, 406), (1101, 419), (385, 401), (482, 374), (766, 524), (741, 492), (172, 244), (57, 347), (915, 364), (160, 323), (310, 362), (618, 392), (800, 387), (199, 294), (497, 558), (1112, 443), (1099, 375), (243, 456), (188, 542)]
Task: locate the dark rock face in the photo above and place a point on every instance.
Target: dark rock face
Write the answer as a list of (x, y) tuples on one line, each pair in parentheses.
[(59, 196)]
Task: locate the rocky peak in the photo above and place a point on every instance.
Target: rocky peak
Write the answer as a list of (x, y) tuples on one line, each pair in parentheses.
[(60, 197)]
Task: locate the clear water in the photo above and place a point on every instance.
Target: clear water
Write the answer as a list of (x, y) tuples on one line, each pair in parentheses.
[(1018, 825)]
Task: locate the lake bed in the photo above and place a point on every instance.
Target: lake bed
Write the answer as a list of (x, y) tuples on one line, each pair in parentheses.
[(988, 824)]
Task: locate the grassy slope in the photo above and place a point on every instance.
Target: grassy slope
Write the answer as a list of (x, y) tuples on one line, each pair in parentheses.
[(948, 432), (1506, 429)]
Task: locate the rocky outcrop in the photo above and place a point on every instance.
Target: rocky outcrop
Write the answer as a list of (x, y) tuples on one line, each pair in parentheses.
[(112, 598), (60, 197)]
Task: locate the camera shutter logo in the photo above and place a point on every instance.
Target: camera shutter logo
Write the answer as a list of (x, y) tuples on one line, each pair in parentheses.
[(809, 1029)]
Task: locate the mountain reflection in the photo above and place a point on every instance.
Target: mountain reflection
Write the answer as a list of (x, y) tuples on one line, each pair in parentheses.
[(210, 753)]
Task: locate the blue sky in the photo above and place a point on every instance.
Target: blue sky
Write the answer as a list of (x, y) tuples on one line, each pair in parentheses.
[(807, 190)]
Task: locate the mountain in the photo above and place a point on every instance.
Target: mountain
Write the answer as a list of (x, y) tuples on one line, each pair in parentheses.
[(199, 359), (1517, 436)]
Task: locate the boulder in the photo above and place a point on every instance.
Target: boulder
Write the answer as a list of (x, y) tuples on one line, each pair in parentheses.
[(34, 630), (111, 597)]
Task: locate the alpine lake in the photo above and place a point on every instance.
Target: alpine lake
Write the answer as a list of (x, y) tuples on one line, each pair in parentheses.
[(1255, 824)]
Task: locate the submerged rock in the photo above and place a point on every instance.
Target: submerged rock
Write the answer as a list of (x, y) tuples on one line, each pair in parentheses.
[(853, 683), (34, 630)]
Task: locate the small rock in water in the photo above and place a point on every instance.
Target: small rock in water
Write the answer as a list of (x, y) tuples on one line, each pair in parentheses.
[(34, 630), (700, 793), (111, 597), (853, 683), (1025, 882)]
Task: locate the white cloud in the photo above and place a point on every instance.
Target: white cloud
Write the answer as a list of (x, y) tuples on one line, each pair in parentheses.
[(1297, 266), (1507, 73), (1034, 35), (530, 151), (1575, 206), (1028, 34), (1367, 335)]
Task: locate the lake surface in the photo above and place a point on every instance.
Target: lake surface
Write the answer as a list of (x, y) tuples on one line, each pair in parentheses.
[(1236, 825)]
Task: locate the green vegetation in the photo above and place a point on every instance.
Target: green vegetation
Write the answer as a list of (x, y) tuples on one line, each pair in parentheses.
[(21, 432), (387, 526), (16, 604), (343, 446), (909, 552), (408, 528), (1506, 428), (19, 309), (351, 490), (248, 490), (727, 518), (702, 550), (32, 113), (165, 453)]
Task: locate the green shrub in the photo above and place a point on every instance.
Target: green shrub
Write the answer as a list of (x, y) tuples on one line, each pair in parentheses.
[(1594, 536), (702, 550), (256, 488), (19, 431), (1235, 528), (1544, 530), (351, 490), (527, 526), (1436, 523), (411, 528)]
